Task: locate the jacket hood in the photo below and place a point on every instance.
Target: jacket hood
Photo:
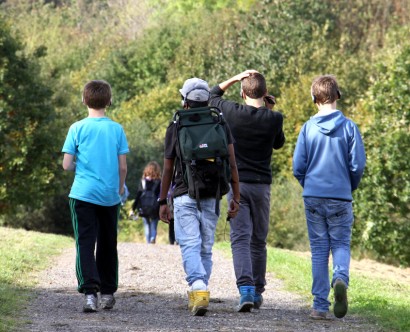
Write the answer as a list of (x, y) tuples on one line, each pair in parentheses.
[(329, 123)]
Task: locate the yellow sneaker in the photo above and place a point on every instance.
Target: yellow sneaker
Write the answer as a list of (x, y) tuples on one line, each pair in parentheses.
[(200, 302), (191, 300)]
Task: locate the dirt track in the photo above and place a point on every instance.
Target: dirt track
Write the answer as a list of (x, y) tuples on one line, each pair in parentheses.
[(152, 297)]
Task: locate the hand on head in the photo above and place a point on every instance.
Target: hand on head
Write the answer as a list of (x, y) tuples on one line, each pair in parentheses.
[(245, 74)]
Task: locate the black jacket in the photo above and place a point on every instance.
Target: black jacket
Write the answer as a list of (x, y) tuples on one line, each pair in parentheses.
[(256, 132)]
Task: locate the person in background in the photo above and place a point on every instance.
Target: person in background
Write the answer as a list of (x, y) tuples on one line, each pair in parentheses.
[(146, 200), (95, 149), (329, 161), (257, 130)]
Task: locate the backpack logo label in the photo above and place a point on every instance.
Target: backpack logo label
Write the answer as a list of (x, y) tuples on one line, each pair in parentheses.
[(203, 145)]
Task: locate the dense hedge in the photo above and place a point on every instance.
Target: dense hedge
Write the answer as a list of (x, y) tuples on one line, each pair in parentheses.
[(146, 51)]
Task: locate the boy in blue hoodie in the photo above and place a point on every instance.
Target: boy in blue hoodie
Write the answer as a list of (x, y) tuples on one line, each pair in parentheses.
[(329, 161)]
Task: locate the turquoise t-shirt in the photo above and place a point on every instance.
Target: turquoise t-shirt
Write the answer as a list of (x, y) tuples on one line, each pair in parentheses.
[(96, 144)]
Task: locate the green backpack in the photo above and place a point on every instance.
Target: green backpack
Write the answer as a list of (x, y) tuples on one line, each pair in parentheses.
[(202, 148)]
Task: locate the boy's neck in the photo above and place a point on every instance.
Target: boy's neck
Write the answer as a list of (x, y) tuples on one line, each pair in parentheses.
[(254, 102), (93, 113), (326, 107)]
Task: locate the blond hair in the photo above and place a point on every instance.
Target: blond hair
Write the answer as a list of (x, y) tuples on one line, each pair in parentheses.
[(152, 170)]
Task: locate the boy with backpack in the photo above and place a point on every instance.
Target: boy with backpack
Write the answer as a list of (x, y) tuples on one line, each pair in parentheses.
[(95, 149), (200, 182), (329, 161)]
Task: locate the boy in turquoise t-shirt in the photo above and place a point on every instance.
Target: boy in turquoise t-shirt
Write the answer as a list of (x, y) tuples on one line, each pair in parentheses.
[(95, 149)]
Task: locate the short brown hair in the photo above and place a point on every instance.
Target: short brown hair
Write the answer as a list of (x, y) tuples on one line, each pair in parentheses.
[(152, 170), (254, 86), (97, 94), (325, 90)]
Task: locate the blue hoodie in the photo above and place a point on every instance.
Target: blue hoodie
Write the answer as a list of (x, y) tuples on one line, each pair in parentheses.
[(329, 157)]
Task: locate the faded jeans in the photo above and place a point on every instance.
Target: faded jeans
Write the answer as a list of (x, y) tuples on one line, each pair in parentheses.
[(150, 229), (195, 234), (329, 224)]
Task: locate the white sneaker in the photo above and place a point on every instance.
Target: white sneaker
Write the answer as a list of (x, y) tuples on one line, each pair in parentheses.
[(91, 303), (198, 285)]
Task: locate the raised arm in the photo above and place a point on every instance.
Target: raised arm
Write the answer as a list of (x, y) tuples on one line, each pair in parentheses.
[(234, 79)]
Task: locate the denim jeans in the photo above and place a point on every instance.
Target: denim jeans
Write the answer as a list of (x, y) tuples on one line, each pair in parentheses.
[(150, 229), (195, 233), (329, 224), (249, 230)]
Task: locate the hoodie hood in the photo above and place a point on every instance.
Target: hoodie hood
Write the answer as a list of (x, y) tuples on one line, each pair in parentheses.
[(329, 123)]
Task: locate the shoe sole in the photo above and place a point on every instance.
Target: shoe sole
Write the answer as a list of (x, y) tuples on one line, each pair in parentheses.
[(89, 310), (200, 311), (257, 305), (245, 307), (107, 307), (340, 306)]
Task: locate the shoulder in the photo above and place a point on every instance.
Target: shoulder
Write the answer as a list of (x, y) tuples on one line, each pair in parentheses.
[(114, 124), (275, 114)]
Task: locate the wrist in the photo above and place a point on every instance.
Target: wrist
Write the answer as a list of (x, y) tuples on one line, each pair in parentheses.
[(236, 200), (162, 201)]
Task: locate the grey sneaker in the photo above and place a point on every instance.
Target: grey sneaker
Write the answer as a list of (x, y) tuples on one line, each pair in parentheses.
[(91, 303), (340, 293), (107, 301)]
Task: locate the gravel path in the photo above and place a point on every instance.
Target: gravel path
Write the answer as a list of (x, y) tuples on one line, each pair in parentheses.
[(152, 297)]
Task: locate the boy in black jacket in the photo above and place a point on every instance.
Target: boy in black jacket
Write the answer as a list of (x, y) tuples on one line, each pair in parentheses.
[(256, 130)]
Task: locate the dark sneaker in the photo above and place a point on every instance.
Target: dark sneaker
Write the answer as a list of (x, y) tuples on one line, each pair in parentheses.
[(340, 293), (107, 301), (257, 301), (318, 315), (91, 303), (247, 298)]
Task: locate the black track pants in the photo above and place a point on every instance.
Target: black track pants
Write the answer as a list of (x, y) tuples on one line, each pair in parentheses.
[(96, 270)]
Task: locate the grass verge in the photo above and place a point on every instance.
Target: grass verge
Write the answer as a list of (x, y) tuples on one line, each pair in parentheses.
[(22, 253), (380, 300)]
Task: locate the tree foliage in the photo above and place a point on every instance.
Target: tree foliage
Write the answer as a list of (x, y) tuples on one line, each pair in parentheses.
[(27, 148), (146, 50), (384, 198)]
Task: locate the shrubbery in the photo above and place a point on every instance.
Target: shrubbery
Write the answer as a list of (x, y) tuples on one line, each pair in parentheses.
[(365, 44)]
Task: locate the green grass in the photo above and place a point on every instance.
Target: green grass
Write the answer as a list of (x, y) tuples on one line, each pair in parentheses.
[(380, 300), (22, 253)]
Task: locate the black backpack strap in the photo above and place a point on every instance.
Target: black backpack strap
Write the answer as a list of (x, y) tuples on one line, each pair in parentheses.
[(195, 177), (218, 189)]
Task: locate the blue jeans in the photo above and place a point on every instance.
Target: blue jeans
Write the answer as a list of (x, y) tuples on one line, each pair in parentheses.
[(329, 224), (249, 230), (150, 229), (195, 233)]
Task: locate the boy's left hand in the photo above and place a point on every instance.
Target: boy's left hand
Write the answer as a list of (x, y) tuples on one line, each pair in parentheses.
[(164, 213), (233, 209)]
